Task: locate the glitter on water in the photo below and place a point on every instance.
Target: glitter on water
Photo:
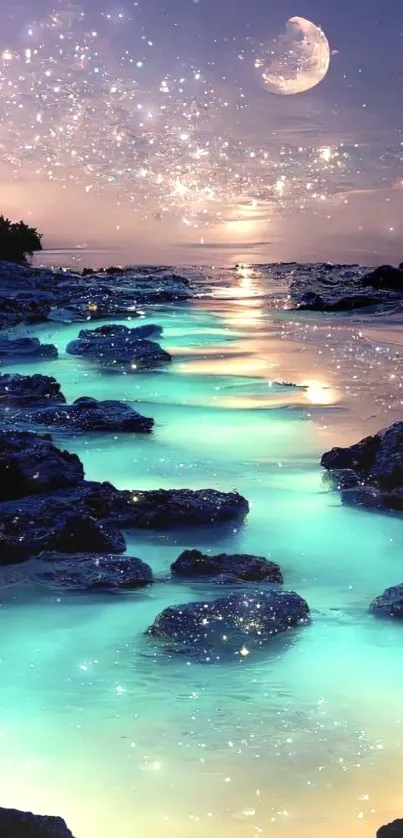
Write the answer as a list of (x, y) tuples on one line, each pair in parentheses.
[(302, 741)]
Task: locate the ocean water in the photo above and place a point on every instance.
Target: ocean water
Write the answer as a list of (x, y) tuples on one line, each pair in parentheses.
[(302, 740)]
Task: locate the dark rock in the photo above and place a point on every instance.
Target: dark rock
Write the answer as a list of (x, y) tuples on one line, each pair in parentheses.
[(22, 390), (194, 564), (87, 414), (377, 462), (233, 623), (27, 348), (123, 348), (49, 524), (160, 509), (31, 464), (92, 571), (386, 276), (359, 458), (391, 830), (390, 603), (333, 288), (16, 824), (343, 479)]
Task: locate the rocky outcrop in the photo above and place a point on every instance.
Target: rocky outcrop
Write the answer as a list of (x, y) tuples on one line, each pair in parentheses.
[(27, 349), (29, 295), (192, 564), (85, 414), (233, 624), (31, 464), (32, 526), (148, 330), (123, 348), (391, 830), (24, 390), (92, 571), (390, 603), (16, 824), (332, 288), (377, 463)]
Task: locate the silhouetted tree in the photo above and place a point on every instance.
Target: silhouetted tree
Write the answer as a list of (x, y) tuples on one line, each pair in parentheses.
[(17, 240)]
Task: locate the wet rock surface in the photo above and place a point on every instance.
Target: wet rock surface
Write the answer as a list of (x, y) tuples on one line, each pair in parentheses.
[(23, 390), (226, 568), (16, 824), (92, 571), (331, 288), (232, 624), (27, 349), (85, 414), (390, 603), (29, 294), (130, 352), (377, 463), (31, 464)]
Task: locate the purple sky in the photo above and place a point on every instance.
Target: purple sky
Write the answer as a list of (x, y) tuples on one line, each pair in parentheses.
[(146, 126)]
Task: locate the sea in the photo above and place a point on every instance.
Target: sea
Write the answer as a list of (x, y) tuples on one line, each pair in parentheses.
[(303, 740)]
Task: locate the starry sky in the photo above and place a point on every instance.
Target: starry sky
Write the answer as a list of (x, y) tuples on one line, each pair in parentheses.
[(148, 127)]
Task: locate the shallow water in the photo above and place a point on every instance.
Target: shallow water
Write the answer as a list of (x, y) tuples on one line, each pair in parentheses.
[(304, 740)]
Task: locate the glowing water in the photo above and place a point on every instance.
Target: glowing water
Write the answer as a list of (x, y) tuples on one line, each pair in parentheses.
[(303, 741)]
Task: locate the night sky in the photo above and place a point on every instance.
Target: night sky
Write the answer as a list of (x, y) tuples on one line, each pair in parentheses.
[(149, 126)]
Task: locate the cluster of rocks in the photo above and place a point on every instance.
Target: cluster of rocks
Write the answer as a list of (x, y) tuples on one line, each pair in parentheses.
[(32, 295), (370, 474), (332, 288), (37, 401)]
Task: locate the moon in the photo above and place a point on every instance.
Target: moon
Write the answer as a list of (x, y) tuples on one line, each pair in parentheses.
[(297, 60)]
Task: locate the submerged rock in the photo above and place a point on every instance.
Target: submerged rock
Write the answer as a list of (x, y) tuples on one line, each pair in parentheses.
[(390, 603), (245, 568), (94, 571), (86, 414), (30, 349), (391, 830), (16, 824), (377, 462), (233, 623), (22, 390), (31, 464)]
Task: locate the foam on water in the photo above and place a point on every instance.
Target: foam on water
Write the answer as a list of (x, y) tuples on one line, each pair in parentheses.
[(303, 740)]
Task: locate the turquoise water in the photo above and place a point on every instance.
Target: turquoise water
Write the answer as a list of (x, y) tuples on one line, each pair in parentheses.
[(304, 740)]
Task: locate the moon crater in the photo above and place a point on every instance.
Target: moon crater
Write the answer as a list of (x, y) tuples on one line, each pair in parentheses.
[(297, 60)]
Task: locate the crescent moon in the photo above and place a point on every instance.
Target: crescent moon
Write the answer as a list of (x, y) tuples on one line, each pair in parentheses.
[(297, 60)]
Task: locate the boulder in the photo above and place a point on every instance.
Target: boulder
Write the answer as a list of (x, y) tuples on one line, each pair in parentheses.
[(390, 603), (86, 414), (94, 571), (33, 528), (29, 349), (16, 824), (159, 509), (31, 464), (23, 390), (123, 349), (232, 624), (377, 463), (386, 276), (391, 830), (243, 568)]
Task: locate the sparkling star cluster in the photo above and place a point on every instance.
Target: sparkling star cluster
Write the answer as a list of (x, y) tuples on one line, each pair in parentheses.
[(164, 137)]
